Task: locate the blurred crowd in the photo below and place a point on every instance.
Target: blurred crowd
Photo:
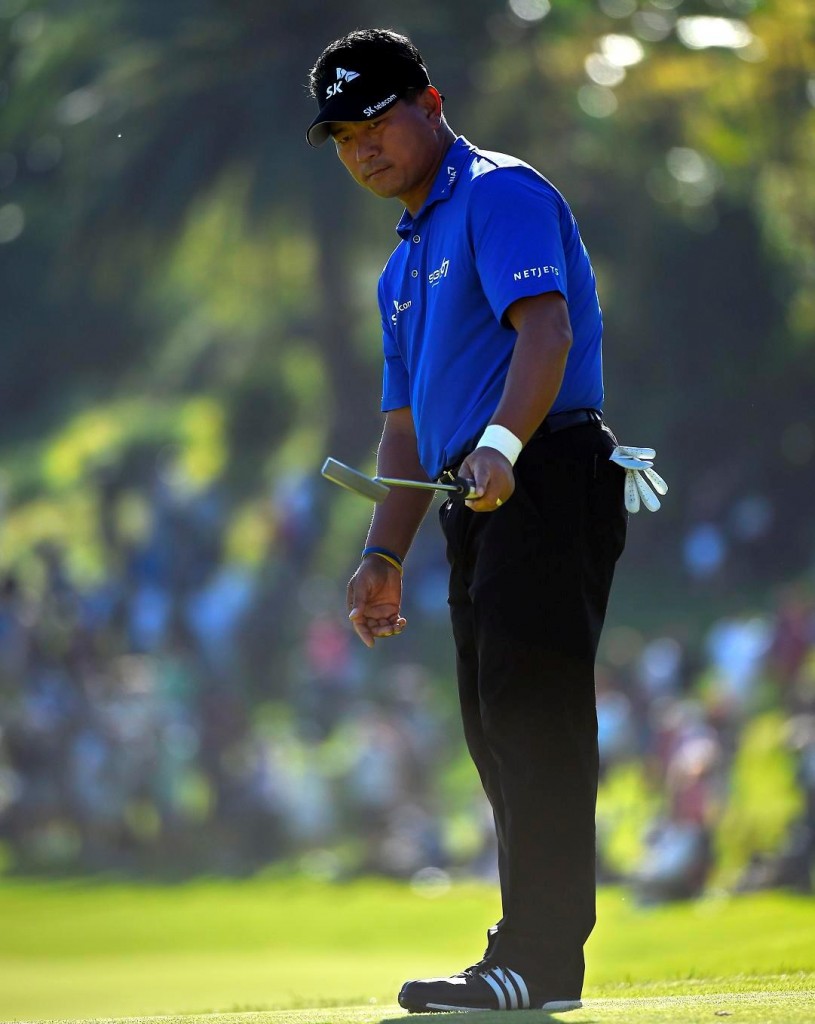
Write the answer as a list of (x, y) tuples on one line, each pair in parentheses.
[(187, 713), (715, 733), (191, 712)]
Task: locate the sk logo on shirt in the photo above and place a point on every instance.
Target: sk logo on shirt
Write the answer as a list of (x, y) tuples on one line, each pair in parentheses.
[(434, 278)]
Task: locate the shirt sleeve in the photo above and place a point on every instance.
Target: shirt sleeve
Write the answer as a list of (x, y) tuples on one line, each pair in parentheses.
[(395, 384), (514, 222)]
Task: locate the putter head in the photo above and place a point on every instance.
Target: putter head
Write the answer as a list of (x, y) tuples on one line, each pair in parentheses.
[(354, 481)]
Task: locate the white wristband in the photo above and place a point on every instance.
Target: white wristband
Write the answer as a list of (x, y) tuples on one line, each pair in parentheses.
[(503, 440)]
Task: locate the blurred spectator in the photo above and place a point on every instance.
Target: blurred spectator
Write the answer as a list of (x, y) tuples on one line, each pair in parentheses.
[(679, 846), (616, 729), (737, 649)]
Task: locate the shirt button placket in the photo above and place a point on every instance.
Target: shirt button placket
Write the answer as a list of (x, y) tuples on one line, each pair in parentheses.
[(416, 240)]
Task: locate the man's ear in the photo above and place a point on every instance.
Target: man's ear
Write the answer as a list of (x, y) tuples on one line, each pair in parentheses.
[(432, 101)]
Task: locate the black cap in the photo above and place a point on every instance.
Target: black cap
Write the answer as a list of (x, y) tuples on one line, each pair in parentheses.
[(359, 86)]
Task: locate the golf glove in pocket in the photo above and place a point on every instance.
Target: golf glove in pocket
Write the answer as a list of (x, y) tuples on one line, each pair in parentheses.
[(637, 463)]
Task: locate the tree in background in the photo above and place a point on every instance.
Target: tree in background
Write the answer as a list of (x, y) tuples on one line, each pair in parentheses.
[(188, 327), (165, 236)]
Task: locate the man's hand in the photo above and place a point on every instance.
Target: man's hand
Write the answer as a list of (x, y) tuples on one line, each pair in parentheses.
[(493, 476), (374, 596)]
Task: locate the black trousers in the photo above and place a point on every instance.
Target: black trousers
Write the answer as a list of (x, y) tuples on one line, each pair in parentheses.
[(529, 586)]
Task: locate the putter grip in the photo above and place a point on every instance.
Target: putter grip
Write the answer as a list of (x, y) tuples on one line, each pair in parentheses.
[(462, 488)]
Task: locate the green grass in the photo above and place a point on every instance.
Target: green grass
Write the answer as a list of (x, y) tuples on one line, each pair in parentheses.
[(71, 951)]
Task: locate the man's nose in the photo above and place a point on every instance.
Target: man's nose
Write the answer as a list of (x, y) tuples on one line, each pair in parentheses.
[(366, 147)]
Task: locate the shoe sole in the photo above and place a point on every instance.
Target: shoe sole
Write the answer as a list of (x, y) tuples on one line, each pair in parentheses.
[(553, 1006)]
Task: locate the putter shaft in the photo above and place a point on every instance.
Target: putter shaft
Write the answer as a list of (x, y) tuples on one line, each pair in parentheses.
[(376, 488), (421, 485)]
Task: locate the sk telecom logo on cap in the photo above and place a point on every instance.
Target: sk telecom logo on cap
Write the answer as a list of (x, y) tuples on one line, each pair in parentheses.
[(370, 111), (342, 76)]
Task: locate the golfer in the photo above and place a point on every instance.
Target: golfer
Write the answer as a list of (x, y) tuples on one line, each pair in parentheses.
[(492, 371)]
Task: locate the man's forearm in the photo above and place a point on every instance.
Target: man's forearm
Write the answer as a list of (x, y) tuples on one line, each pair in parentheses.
[(532, 384), (397, 519), (538, 362)]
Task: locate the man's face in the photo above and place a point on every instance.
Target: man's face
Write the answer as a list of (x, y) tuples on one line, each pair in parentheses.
[(394, 155)]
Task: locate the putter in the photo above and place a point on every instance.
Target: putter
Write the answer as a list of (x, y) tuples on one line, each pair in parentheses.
[(377, 488)]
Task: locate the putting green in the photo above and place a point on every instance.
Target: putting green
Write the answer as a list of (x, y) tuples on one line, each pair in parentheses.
[(79, 952)]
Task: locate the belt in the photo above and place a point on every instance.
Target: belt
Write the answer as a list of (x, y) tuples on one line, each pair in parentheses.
[(553, 423), (570, 418)]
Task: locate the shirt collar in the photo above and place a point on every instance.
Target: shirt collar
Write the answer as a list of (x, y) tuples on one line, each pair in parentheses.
[(446, 180)]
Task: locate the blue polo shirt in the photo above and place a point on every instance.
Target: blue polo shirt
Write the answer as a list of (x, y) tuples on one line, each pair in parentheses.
[(492, 230)]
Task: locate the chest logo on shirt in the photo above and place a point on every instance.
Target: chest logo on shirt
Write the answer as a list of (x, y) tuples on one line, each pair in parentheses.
[(434, 278), (400, 307), (519, 275)]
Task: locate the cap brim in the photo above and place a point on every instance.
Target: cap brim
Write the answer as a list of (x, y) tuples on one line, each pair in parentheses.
[(318, 132)]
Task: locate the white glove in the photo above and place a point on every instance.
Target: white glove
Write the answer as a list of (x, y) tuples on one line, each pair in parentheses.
[(637, 463)]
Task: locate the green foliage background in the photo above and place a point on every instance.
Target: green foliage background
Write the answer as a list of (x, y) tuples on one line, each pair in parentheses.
[(194, 274), (190, 272), (182, 280)]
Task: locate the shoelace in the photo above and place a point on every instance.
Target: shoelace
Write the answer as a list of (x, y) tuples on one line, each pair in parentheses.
[(478, 969)]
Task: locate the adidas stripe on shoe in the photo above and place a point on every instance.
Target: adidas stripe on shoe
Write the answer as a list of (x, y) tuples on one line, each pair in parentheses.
[(483, 987)]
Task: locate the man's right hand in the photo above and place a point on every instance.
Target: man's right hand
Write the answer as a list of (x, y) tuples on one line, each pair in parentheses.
[(492, 474), (374, 596)]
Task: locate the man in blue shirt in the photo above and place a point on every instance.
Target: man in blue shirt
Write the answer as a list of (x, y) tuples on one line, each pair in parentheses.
[(492, 343)]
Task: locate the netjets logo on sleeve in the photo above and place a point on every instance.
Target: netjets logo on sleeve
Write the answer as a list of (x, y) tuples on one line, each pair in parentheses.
[(434, 278), (519, 275), (342, 77), (399, 307)]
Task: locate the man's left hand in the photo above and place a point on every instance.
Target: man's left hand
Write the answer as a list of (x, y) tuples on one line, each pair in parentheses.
[(493, 476)]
